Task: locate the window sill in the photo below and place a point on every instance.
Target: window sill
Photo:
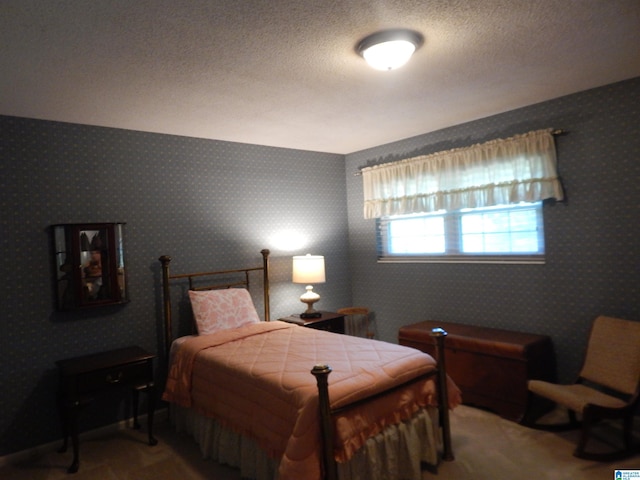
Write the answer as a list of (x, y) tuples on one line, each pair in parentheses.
[(493, 259)]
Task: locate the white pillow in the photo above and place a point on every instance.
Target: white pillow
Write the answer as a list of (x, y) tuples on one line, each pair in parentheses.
[(216, 310)]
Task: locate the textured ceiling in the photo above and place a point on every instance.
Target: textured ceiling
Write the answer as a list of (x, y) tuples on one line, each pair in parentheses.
[(285, 73)]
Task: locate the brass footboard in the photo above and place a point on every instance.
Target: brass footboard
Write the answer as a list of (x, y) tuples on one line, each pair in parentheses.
[(321, 372)]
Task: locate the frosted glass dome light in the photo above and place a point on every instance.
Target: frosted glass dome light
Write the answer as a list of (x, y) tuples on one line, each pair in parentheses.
[(389, 49)]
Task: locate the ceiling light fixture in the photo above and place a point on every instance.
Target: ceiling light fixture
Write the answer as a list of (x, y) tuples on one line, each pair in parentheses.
[(389, 49)]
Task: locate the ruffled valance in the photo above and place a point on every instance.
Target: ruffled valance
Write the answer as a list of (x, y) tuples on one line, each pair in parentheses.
[(522, 168)]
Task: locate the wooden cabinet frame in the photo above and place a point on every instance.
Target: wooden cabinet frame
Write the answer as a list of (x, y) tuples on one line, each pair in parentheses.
[(89, 268)]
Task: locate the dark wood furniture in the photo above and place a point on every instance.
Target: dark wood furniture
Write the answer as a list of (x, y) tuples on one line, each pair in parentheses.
[(491, 366), (329, 321), (81, 378), (89, 265)]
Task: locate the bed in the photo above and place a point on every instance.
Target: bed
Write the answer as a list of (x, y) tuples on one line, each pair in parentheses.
[(258, 394)]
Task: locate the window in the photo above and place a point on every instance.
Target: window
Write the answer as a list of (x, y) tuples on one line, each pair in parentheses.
[(511, 233), (481, 203)]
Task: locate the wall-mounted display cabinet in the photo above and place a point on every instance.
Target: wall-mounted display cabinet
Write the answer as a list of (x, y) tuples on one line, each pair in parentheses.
[(89, 265)]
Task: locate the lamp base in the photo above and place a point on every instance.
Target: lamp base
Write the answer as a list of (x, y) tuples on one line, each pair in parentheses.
[(310, 297)]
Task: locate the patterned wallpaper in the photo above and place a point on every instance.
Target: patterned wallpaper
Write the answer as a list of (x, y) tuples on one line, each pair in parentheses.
[(208, 204), (217, 204), (593, 253)]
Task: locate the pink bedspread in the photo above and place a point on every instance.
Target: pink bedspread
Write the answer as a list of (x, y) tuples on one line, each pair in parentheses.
[(256, 380)]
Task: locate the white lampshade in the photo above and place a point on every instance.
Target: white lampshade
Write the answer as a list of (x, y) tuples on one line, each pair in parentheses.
[(389, 49), (308, 269)]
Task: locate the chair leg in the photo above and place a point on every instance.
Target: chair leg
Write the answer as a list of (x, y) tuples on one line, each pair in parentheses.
[(369, 333), (619, 454), (534, 410), (627, 432), (573, 419), (584, 435)]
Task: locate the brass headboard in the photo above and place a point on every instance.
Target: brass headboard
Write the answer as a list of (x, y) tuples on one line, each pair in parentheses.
[(166, 293)]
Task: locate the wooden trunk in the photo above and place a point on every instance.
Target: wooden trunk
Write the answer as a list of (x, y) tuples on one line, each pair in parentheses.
[(490, 366)]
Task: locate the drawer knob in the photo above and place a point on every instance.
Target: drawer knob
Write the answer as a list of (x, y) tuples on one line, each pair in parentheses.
[(114, 378)]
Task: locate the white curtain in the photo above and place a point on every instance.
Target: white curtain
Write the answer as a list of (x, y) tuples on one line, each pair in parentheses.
[(522, 168)]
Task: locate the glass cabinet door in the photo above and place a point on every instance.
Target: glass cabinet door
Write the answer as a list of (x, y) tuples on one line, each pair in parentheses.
[(89, 262)]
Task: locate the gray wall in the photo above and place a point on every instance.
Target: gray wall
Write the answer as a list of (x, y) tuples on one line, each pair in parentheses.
[(593, 251), (216, 204), (208, 204)]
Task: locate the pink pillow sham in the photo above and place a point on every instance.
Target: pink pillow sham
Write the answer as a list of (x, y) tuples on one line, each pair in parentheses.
[(216, 310)]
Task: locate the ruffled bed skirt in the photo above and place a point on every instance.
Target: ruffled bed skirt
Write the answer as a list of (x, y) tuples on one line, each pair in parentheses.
[(394, 454)]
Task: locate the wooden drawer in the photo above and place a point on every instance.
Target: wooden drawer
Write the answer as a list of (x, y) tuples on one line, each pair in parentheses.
[(80, 376), (130, 374), (491, 366)]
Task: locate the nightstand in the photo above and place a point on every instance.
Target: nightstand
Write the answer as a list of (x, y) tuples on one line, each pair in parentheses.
[(81, 378), (329, 321)]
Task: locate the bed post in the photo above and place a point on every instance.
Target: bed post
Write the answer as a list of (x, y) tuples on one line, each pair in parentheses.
[(166, 297), (439, 335), (265, 272), (321, 372)]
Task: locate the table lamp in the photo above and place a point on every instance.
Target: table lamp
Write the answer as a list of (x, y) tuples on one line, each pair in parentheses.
[(309, 269)]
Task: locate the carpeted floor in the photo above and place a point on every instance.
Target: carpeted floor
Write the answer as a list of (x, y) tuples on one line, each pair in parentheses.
[(486, 448)]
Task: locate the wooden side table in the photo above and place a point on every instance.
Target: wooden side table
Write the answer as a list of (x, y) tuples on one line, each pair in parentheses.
[(329, 321), (81, 378)]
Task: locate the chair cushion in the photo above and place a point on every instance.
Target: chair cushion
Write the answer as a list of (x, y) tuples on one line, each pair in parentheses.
[(574, 397), (613, 356)]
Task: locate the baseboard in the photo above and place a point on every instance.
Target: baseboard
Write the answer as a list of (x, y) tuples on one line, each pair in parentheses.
[(25, 455)]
